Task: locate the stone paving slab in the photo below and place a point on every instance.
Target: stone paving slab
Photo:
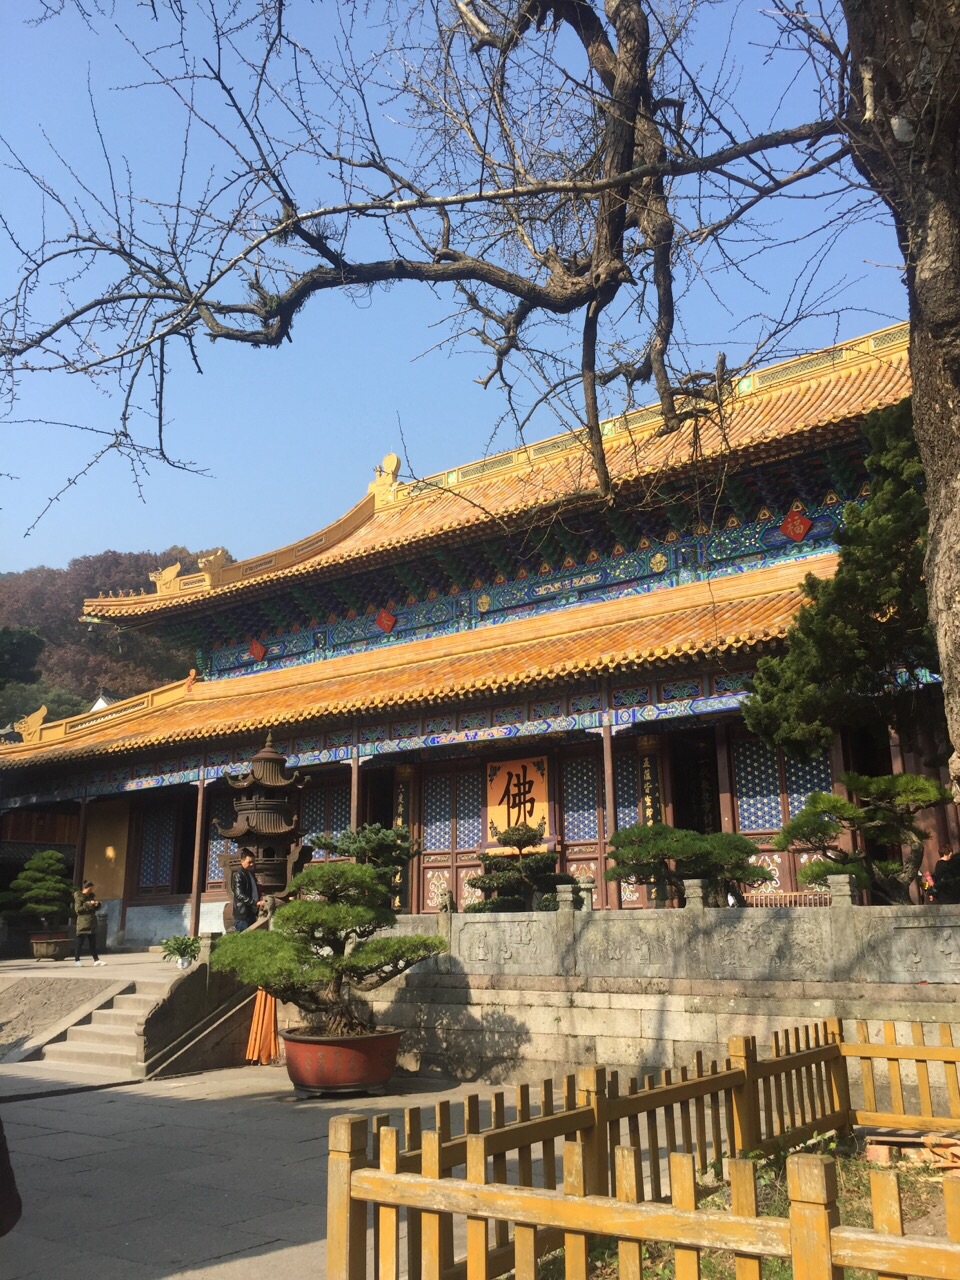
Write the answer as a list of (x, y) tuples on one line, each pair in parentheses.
[(219, 1176), (24, 1080)]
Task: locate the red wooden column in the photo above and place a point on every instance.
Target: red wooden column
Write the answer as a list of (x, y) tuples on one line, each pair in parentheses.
[(724, 778), (354, 792), (608, 891), (199, 849), (838, 765), (81, 845), (666, 782), (405, 780)]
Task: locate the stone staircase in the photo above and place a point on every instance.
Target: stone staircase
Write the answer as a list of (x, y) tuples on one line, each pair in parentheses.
[(111, 1037)]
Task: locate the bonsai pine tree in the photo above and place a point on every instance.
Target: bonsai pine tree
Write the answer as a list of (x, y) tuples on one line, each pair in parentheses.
[(887, 842), (324, 942), (522, 882), (43, 891), (667, 856)]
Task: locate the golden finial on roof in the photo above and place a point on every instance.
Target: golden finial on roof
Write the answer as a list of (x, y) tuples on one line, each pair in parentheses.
[(165, 578), (385, 478), (213, 562), (29, 727)]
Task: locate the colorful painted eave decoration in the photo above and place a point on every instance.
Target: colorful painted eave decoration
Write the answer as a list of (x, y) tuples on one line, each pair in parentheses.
[(700, 619), (816, 393)]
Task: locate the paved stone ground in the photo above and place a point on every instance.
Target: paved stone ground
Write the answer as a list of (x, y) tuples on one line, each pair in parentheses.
[(218, 1176), (28, 1006)]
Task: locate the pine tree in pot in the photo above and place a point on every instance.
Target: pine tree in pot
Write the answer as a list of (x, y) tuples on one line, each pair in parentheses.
[(664, 857), (42, 894), (325, 943), (523, 881)]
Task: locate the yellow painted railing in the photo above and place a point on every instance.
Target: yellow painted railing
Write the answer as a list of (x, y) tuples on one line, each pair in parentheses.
[(624, 1151)]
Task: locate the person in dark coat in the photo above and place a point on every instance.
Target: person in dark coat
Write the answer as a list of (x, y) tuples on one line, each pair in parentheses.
[(246, 893), (85, 907), (10, 1206)]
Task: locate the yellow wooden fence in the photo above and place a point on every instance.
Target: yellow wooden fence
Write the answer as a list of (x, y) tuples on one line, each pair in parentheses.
[(614, 1141)]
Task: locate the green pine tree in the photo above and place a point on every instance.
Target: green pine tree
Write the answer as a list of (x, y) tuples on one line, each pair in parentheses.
[(43, 891), (330, 938), (667, 856), (861, 650), (518, 882), (887, 843)]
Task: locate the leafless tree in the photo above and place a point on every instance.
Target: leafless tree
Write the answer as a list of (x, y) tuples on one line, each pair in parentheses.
[(561, 168), (557, 166), (892, 68)]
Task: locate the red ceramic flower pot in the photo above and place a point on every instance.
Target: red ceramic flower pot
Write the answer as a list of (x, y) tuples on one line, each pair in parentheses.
[(340, 1064)]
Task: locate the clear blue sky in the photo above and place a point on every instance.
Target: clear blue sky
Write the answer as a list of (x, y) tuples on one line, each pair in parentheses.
[(290, 437)]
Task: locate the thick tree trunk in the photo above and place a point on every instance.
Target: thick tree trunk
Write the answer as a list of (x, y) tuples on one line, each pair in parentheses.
[(935, 362), (905, 133)]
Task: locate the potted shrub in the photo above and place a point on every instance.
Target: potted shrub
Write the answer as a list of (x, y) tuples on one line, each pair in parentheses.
[(326, 942), (43, 893), (887, 843), (520, 881), (665, 857), (182, 949)]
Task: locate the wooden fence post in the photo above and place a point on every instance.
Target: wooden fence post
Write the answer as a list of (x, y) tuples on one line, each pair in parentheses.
[(346, 1217), (742, 1051), (387, 1217), (576, 1172), (683, 1195), (431, 1224), (743, 1202), (478, 1259), (592, 1092), (812, 1187), (839, 1074), (629, 1168)]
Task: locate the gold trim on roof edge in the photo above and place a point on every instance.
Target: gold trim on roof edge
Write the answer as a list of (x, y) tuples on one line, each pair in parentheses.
[(432, 662), (387, 495)]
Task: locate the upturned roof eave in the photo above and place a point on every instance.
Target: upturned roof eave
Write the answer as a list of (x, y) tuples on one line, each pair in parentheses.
[(696, 621), (848, 362)]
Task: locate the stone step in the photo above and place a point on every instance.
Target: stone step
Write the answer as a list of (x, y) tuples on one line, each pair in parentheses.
[(134, 1004), (106, 1037), (156, 988), (130, 1018), (83, 1055)]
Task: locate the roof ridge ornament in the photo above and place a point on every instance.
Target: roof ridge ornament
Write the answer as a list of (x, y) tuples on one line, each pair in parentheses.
[(28, 727), (165, 579), (385, 479)]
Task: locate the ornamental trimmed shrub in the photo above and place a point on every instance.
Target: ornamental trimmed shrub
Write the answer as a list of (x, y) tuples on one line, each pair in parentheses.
[(42, 892), (520, 882), (667, 856), (329, 939)]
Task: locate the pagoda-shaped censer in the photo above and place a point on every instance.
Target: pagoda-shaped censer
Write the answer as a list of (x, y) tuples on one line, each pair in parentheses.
[(264, 803)]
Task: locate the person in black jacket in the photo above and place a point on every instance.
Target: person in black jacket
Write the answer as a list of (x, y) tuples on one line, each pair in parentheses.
[(246, 893), (10, 1206)]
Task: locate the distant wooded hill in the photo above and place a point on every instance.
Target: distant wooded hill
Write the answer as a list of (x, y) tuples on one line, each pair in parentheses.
[(77, 661)]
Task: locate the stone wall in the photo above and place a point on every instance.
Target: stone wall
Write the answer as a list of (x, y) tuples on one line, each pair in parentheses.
[(526, 996), (148, 925)]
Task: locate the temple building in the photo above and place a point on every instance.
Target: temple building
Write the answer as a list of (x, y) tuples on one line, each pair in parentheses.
[(490, 644)]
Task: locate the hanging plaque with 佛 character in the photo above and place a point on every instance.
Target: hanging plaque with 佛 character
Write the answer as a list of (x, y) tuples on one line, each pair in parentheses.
[(516, 794)]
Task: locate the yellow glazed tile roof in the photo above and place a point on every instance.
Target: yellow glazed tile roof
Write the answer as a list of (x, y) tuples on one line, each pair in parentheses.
[(773, 411), (708, 618)]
